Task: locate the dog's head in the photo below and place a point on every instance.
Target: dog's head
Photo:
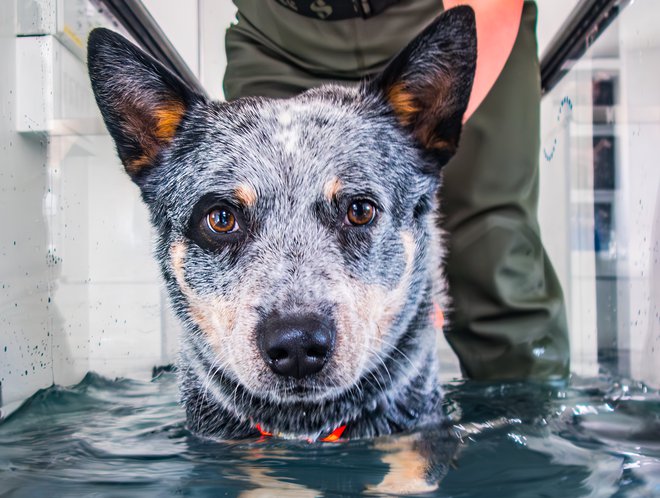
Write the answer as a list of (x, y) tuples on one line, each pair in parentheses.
[(296, 236)]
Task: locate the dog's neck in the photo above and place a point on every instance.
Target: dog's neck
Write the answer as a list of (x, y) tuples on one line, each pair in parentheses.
[(400, 394)]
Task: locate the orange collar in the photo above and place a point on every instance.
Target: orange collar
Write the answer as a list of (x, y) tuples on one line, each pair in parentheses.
[(330, 438)]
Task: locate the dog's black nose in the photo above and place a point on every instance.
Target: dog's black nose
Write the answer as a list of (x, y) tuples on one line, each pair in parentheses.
[(296, 346)]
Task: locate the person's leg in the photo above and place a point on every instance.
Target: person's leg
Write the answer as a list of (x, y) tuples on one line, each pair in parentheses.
[(508, 318), (275, 52), (254, 69)]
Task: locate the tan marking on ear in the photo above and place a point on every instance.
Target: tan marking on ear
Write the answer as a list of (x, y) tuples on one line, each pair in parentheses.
[(153, 132), (404, 104), (136, 165), (423, 109), (332, 188), (246, 194), (168, 118), (426, 135), (441, 145)]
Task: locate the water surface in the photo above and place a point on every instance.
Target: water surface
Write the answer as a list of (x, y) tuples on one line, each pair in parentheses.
[(126, 438)]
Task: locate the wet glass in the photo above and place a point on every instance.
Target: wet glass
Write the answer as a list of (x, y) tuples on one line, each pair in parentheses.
[(600, 200)]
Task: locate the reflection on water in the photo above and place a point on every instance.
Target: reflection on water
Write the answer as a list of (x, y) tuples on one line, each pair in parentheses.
[(597, 437)]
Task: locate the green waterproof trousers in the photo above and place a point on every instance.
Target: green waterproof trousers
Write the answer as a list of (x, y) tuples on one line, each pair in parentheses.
[(508, 319)]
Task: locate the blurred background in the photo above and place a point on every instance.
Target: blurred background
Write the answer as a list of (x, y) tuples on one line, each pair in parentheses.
[(79, 290)]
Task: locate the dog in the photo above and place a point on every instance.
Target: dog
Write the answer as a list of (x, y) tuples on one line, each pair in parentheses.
[(298, 238)]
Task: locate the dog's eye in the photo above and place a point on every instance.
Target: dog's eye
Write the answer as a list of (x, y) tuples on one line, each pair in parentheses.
[(360, 213), (221, 220)]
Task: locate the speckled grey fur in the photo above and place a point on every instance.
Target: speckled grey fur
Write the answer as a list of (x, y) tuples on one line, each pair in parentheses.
[(295, 255)]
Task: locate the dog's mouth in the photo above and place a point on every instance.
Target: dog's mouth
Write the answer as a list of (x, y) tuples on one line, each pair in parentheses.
[(274, 388), (292, 390), (300, 393)]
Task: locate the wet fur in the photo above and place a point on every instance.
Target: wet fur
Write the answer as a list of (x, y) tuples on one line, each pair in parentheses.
[(290, 168)]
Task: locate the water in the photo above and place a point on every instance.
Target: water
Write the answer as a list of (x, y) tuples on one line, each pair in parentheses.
[(127, 438)]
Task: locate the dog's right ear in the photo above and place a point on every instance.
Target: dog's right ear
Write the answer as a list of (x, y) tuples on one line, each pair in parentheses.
[(142, 102), (427, 85)]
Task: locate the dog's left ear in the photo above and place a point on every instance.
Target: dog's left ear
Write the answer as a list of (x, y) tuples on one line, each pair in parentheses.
[(141, 101), (428, 84)]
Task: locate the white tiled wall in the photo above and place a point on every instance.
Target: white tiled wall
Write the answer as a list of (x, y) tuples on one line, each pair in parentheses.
[(25, 360), (79, 289)]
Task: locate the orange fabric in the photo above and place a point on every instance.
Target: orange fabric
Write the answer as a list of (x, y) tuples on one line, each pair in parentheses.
[(498, 22), (438, 317)]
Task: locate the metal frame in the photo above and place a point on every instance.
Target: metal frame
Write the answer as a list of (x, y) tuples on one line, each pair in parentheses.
[(581, 29), (144, 29)]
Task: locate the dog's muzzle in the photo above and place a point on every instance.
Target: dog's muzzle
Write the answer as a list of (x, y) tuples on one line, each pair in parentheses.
[(296, 346)]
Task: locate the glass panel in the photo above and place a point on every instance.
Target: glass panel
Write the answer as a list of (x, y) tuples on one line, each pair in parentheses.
[(600, 206)]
